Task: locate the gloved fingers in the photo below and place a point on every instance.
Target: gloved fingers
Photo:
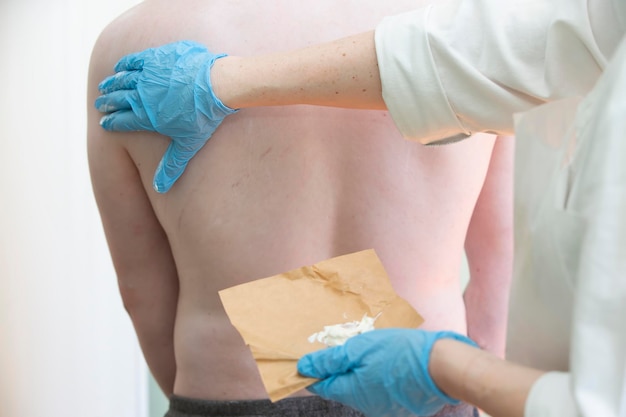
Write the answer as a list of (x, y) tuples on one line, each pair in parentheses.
[(123, 121), (117, 100), (124, 80), (333, 388), (161, 181), (172, 166), (325, 363), (131, 62)]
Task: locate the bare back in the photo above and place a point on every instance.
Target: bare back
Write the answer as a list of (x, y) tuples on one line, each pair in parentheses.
[(279, 188)]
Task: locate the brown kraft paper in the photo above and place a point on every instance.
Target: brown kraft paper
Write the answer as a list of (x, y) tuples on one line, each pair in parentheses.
[(276, 315)]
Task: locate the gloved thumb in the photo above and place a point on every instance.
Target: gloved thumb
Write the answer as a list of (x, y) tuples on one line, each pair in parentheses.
[(324, 363), (333, 388), (171, 167)]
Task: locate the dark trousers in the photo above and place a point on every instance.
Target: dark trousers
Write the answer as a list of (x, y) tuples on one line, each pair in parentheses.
[(289, 407)]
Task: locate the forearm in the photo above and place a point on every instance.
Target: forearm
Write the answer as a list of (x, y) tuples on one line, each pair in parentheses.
[(487, 320), (486, 296), (343, 73), (149, 291), (153, 317), (487, 299), (157, 346), (498, 387), (489, 249), (148, 284)]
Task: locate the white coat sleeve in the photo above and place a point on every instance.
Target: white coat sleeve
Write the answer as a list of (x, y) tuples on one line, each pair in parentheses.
[(464, 66), (551, 396)]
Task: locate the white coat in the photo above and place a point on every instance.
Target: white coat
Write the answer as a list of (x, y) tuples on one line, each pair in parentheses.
[(487, 60)]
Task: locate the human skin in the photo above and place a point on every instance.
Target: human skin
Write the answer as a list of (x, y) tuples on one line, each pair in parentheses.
[(498, 387), (338, 73), (277, 188)]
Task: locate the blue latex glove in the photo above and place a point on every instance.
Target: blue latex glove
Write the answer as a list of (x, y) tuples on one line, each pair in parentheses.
[(380, 373), (166, 90)]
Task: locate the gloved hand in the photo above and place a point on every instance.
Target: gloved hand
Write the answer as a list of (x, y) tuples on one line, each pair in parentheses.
[(381, 373), (166, 90)]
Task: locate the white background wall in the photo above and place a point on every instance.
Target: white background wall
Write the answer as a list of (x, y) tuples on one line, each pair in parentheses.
[(66, 346)]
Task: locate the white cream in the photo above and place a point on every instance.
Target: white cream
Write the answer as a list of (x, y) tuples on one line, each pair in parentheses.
[(337, 334)]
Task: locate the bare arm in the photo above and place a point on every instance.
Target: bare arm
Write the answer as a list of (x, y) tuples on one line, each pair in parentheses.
[(498, 387), (449, 69), (343, 73), (141, 255), (489, 248)]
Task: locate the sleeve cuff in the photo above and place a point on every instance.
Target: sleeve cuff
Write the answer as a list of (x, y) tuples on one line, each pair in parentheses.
[(551, 396), (412, 89)]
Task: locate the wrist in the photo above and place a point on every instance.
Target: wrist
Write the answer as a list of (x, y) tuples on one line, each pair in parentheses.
[(449, 363), (267, 80), (241, 82), (223, 76), (477, 377)]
